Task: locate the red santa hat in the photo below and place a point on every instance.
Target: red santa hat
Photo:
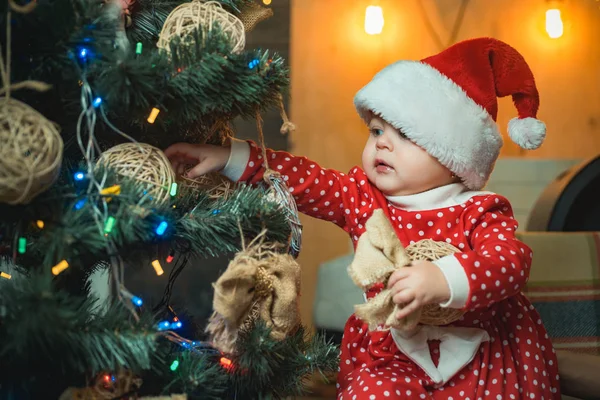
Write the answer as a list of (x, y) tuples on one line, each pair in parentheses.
[(447, 104)]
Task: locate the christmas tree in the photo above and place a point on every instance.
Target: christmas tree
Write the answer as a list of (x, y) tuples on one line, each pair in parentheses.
[(92, 91)]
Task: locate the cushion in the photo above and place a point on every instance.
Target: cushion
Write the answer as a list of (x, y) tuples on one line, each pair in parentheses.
[(564, 287)]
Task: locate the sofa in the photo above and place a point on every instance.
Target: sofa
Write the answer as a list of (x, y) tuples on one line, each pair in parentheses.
[(564, 286)]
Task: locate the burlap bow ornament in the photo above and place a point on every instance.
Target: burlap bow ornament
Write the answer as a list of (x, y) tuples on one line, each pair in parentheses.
[(378, 254), (259, 283)]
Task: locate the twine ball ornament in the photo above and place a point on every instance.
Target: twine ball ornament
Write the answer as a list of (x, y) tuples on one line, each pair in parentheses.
[(144, 163), (431, 250), (31, 152), (188, 17)]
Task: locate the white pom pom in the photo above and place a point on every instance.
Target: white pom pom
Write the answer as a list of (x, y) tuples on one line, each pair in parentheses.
[(529, 133)]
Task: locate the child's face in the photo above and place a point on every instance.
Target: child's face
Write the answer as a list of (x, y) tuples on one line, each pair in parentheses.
[(397, 166)]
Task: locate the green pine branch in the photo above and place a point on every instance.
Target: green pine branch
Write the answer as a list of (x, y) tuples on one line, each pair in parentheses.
[(50, 340), (201, 83), (265, 368), (46, 334), (196, 223), (278, 369)]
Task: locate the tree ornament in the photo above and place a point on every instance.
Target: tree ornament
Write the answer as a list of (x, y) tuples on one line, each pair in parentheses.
[(31, 147), (188, 17), (144, 163), (30, 154), (260, 283), (253, 13), (378, 254)]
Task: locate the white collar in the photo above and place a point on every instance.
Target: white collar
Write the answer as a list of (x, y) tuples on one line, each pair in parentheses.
[(440, 197)]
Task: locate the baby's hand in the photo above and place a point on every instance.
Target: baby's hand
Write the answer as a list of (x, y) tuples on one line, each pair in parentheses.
[(205, 158), (415, 286)]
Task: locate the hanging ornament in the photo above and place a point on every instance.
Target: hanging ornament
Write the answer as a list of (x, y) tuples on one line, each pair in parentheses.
[(378, 254), (252, 14), (31, 147), (30, 154), (144, 163), (279, 192), (188, 17), (260, 283)]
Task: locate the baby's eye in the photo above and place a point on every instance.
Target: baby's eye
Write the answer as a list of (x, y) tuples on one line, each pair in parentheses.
[(376, 132)]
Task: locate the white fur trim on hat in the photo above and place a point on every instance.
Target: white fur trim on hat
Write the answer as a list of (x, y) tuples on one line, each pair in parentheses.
[(437, 115), (529, 133)]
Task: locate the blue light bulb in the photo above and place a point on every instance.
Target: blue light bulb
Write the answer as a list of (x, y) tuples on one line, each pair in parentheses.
[(79, 176), (137, 301), (79, 205), (97, 102), (83, 53), (163, 325), (162, 227), (176, 325)]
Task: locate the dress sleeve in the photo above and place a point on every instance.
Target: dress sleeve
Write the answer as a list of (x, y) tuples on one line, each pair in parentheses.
[(319, 192), (497, 264)]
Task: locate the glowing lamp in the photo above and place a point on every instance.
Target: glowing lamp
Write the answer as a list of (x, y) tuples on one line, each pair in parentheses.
[(374, 20), (554, 23)]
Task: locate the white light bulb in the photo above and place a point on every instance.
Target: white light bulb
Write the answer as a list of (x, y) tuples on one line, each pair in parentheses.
[(373, 20), (554, 23)]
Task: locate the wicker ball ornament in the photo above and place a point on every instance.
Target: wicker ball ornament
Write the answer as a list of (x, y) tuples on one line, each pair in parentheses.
[(31, 151), (196, 14), (431, 250), (144, 163)]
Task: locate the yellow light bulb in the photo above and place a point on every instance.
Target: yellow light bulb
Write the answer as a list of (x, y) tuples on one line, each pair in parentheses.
[(554, 23), (153, 115), (373, 20)]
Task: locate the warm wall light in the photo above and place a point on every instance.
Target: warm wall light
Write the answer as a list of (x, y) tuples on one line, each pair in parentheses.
[(554, 23), (373, 20)]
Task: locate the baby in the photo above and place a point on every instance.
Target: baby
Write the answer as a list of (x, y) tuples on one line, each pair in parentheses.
[(432, 145)]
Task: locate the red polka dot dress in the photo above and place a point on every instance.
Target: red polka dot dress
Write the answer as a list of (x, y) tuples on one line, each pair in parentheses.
[(512, 357)]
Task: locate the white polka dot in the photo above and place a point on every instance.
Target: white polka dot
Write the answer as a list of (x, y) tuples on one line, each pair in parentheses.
[(440, 214)]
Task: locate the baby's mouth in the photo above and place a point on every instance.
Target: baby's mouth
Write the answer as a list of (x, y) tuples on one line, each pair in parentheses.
[(382, 166)]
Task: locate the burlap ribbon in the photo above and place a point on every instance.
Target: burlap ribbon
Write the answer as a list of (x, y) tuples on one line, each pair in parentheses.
[(252, 14), (259, 283), (378, 254)]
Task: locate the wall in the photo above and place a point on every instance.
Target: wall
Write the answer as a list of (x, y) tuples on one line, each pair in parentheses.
[(332, 57)]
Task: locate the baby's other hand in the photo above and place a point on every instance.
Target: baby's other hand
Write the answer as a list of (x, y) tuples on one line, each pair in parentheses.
[(415, 286)]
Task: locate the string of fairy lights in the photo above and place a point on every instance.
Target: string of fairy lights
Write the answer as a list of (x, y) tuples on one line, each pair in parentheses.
[(95, 195)]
